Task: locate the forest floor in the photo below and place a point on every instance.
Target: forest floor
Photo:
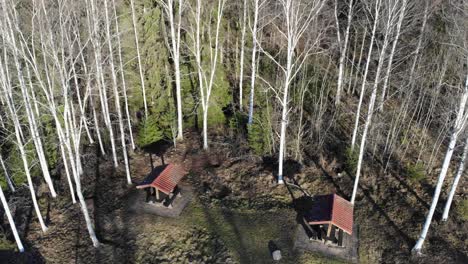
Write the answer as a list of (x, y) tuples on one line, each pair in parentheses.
[(237, 210)]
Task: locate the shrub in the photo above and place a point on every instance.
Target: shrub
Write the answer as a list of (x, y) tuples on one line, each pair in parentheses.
[(50, 141), (415, 172), (237, 123), (462, 209), (6, 244), (149, 132), (256, 137), (351, 161)]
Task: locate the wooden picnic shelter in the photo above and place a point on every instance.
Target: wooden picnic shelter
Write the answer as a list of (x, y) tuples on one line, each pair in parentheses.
[(330, 218), (162, 182)]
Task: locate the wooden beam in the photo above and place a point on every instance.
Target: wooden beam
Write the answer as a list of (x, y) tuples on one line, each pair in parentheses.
[(329, 229)]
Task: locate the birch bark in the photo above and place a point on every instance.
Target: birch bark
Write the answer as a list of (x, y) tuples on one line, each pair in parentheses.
[(460, 171)]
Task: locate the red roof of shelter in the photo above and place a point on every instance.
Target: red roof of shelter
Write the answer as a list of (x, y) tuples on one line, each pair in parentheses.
[(164, 178), (331, 209)]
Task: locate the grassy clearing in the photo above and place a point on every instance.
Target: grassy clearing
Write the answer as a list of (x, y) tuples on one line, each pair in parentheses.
[(247, 233)]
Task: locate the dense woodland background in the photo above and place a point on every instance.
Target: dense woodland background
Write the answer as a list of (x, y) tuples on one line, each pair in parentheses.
[(366, 88)]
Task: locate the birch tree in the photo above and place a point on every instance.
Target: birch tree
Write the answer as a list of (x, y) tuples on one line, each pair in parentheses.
[(256, 10), (137, 46), (460, 171), (242, 46), (20, 144), (5, 81), (458, 46), (69, 131), (343, 45), (28, 105), (366, 71), (458, 126), (402, 10), (296, 17), (11, 221), (122, 74), (7, 175), (118, 108), (93, 19), (206, 71), (175, 25), (390, 10)]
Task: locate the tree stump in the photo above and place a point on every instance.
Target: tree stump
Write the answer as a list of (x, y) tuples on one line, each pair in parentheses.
[(276, 255)]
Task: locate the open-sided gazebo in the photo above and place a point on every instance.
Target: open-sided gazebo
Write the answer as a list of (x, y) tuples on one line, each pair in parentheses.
[(330, 218), (162, 182)]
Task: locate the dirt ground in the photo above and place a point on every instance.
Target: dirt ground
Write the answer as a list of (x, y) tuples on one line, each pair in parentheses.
[(237, 210)]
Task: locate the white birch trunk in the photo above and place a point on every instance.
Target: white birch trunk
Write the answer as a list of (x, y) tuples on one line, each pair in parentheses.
[(35, 133), (97, 128), (19, 143), (174, 48), (366, 71), (67, 171), (206, 82), (29, 112), (419, 45), (370, 111), (7, 175), (460, 123), (295, 24), (100, 76), (241, 63), (392, 53), (176, 44), (122, 76), (284, 121), (254, 60), (116, 94), (140, 66), (461, 169), (343, 49), (11, 221), (6, 86), (358, 70)]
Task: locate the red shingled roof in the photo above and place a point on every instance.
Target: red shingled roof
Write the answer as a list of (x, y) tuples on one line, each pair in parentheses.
[(331, 209), (164, 178)]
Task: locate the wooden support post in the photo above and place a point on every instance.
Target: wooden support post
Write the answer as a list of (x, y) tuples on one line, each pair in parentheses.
[(322, 235), (340, 238), (148, 195), (151, 160), (157, 194), (308, 229), (329, 230), (179, 193)]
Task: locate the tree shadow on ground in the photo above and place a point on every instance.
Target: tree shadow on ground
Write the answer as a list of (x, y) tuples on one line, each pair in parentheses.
[(158, 148), (247, 235), (454, 254), (376, 207), (290, 167), (396, 170), (330, 179), (214, 228), (113, 237), (30, 256)]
